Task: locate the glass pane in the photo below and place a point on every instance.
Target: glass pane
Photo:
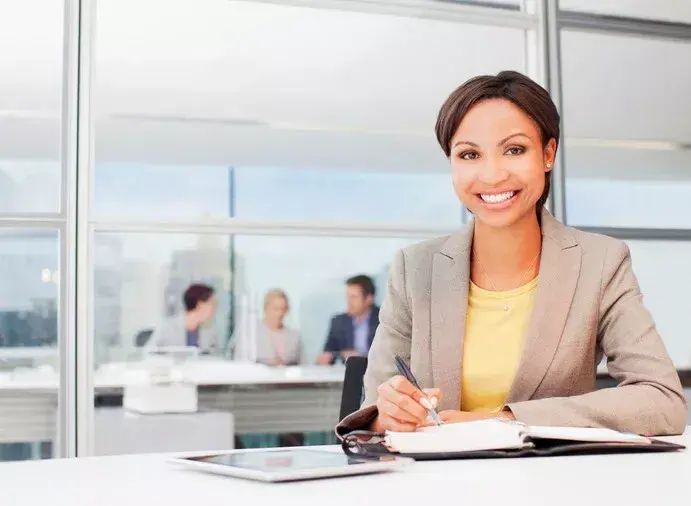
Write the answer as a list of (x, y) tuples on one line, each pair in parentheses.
[(308, 194), (139, 282), (28, 342), (161, 191), (312, 271), (662, 268), (30, 105), (626, 133), (674, 11), (332, 110)]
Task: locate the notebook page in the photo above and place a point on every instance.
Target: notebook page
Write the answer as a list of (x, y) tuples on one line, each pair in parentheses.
[(459, 437), (589, 435)]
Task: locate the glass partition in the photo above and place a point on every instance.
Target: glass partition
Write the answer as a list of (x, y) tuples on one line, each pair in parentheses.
[(627, 139), (254, 147), (31, 221)]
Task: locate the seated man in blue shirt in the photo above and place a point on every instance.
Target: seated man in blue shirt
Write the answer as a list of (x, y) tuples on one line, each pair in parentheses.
[(352, 333)]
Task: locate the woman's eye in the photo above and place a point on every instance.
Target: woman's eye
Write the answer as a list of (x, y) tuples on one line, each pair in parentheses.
[(515, 150), (469, 155)]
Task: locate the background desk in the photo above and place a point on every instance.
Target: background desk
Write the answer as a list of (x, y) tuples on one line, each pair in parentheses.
[(262, 399), (633, 479)]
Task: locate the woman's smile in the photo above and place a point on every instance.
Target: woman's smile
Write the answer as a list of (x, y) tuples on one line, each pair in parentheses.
[(498, 200)]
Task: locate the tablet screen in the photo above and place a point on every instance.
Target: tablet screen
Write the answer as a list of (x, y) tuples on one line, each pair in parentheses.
[(281, 461)]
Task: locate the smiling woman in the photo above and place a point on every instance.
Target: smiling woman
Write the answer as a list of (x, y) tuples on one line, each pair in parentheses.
[(526, 114), (509, 317)]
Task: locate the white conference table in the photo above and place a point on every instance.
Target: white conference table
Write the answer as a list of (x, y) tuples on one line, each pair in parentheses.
[(204, 372), (631, 479), (262, 399)]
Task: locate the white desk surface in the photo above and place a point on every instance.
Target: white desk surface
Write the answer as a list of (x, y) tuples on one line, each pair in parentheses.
[(633, 479), (203, 372)]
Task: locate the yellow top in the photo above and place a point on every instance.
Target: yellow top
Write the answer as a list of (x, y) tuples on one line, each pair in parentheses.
[(496, 323)]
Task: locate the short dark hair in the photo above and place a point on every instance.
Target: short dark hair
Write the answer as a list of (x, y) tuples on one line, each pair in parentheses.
[(195, 294), (364, 282), (522, 91)]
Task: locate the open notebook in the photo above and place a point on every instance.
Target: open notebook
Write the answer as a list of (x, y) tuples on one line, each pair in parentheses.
[(496, 438)]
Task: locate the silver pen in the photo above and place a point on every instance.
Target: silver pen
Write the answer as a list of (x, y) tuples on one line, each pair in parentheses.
[(408, 374)]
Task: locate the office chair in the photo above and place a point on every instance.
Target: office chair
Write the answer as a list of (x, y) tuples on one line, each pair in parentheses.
[(143, 337), (353, 385)]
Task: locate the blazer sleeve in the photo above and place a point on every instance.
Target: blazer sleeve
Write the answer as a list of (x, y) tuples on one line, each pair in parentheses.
[(393, 337), (649, 398), (332, 344)]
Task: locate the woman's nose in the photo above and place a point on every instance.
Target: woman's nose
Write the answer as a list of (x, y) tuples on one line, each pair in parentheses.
[(491, 172)]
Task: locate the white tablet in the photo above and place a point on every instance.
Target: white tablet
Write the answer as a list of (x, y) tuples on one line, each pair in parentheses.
[(289, 464)]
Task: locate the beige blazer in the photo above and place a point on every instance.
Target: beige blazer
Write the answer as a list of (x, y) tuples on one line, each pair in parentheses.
[(266, 352), (588, 303)]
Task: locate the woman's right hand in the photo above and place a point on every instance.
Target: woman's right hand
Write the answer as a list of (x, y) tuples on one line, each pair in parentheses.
[(400, 405)]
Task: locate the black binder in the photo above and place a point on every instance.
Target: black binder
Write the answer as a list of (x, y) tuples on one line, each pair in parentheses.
[(365, 444)]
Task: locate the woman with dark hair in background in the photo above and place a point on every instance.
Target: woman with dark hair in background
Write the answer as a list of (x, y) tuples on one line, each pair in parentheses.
[(193, 327), (510, 317)]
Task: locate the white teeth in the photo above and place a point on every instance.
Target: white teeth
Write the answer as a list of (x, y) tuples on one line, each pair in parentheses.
[(496, 198)]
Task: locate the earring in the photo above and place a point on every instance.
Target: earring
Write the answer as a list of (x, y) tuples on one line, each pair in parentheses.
[(549, 164)]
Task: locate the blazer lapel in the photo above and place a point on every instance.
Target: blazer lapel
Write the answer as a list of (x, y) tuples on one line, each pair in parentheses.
[(449, 300), (559, 270), (373, 324)]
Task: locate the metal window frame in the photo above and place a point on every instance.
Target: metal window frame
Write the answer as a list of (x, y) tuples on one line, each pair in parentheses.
[(76, 232), (21, 218), (641, 234), (84, 367), (551, 56), (588, 22), (61, 222), (86, 229), (546, 22), (67, 392), (455, 11), (54, 223), (235, 226)]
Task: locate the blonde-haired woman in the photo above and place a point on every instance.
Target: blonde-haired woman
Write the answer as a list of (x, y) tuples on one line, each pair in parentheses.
[(277, 344)]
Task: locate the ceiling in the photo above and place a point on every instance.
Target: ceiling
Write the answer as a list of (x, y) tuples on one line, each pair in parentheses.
[(240, 83)]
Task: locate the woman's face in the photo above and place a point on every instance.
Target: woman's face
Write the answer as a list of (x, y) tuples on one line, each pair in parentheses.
[(276, 310), (498, 162)]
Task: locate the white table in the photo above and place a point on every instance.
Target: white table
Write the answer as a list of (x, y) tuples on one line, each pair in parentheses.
[(633, 479), (262, 399)]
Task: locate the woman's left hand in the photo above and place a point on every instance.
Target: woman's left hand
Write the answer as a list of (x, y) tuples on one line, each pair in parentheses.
[(453, 416)]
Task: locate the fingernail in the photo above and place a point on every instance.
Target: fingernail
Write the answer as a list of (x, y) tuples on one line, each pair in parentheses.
[(425, 403), (434, 401)]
